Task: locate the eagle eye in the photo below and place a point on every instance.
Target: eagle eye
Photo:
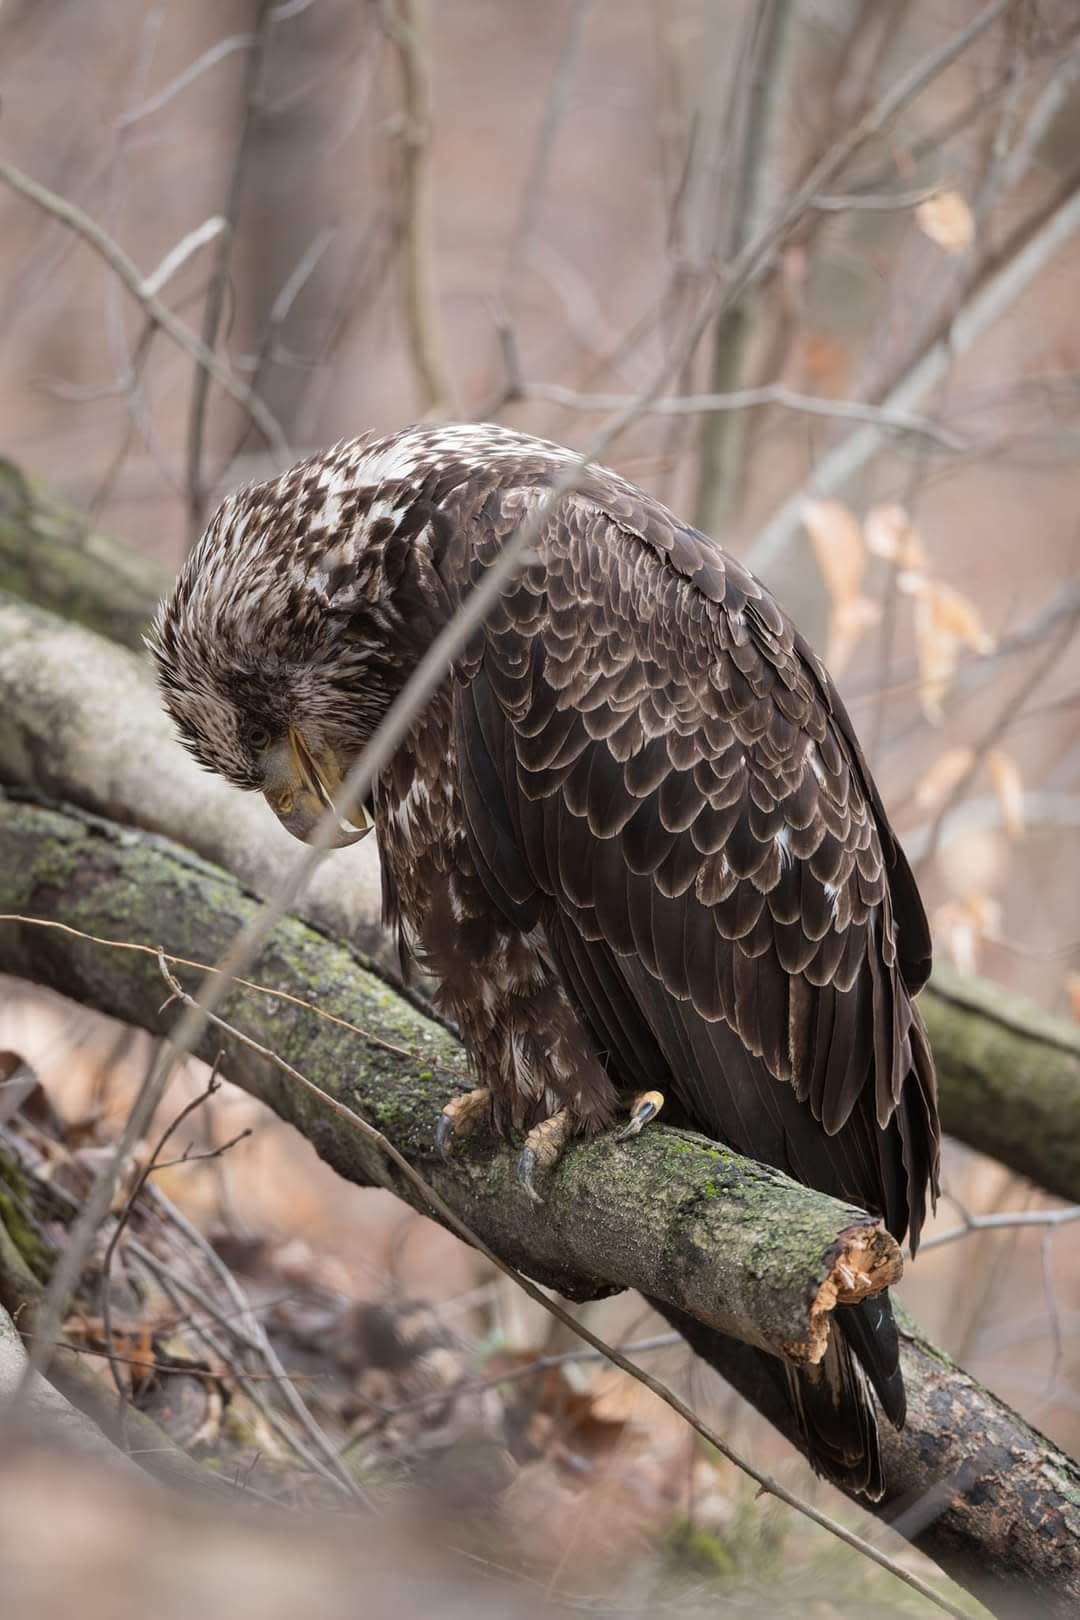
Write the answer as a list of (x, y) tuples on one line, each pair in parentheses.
[(257, 738)]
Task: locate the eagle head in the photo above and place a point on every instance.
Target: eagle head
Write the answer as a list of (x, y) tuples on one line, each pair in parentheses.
[(281, 645)]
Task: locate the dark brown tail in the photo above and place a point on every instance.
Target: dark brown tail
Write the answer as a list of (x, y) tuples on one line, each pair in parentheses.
[(832, 1404)]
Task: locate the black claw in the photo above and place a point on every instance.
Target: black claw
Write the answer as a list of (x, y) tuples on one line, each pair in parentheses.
[(444, 1134), (526, 1167), (636, 1121)]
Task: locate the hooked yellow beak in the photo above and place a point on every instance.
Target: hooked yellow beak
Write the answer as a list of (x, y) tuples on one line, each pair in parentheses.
[(300, 789)]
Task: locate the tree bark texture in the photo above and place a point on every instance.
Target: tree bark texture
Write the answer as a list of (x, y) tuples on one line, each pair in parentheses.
[(1010, 1078), (727, 1242), (80, 719)]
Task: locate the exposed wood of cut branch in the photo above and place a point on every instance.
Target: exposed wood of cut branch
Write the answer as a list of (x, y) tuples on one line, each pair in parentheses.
[(669, 1212), (673, 1215)]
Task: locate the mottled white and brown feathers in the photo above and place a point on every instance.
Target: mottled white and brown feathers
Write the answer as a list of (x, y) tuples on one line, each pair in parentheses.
[(635, 828)]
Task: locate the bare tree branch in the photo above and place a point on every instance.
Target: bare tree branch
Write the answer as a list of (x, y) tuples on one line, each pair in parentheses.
[(988, 303), (73, 217)]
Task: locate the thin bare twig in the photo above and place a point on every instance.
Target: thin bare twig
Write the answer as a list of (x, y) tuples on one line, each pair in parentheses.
[(194, 70), (333, 1473), (987, 305), (742, 399), (212, 1085), (73, 217), (215, 297), (251, 1330), (449, 1217), (180, 254), (1005, 1221), (208, 968), (886, 202)]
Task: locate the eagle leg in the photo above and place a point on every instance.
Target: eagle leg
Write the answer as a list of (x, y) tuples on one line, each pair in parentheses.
[(543, 1149), (460, 1116), (645, 1106)]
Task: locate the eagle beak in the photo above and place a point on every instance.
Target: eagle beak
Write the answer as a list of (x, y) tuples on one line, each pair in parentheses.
[(301, 787)]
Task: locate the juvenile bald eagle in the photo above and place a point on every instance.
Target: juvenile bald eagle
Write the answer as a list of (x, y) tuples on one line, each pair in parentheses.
[(633, 836)]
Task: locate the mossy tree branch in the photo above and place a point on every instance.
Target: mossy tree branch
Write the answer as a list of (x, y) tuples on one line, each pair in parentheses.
[(725, 1241), (49, 555), (733, 1243)]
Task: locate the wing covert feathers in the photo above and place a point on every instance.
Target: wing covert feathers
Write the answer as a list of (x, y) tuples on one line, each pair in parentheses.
[(656, 760), (682, 786)]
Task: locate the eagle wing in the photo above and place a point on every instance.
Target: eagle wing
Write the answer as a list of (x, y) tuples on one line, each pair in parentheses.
[(657, 769)]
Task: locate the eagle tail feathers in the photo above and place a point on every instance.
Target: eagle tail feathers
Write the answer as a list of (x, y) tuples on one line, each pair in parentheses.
[(831, 1404)]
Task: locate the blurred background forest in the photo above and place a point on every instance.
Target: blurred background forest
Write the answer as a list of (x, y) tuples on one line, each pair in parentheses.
[(500, 210)]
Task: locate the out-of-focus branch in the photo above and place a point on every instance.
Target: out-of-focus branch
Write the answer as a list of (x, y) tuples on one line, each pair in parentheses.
[(1009, 1078), (405, 24), (533, 192), (48, 556), (1010, 275), (745, 399), (219, 279), (73, 217)]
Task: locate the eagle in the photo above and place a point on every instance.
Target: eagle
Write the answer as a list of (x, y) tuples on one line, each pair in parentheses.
[(632, 837)]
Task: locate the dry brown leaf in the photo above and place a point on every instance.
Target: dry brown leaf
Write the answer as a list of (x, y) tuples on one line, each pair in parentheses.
[(891, 534), (960, 926), (936, 784), (945, 621), (947, 220), (847, 622), (1072, 990), (837, 538), (1009, 787)]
